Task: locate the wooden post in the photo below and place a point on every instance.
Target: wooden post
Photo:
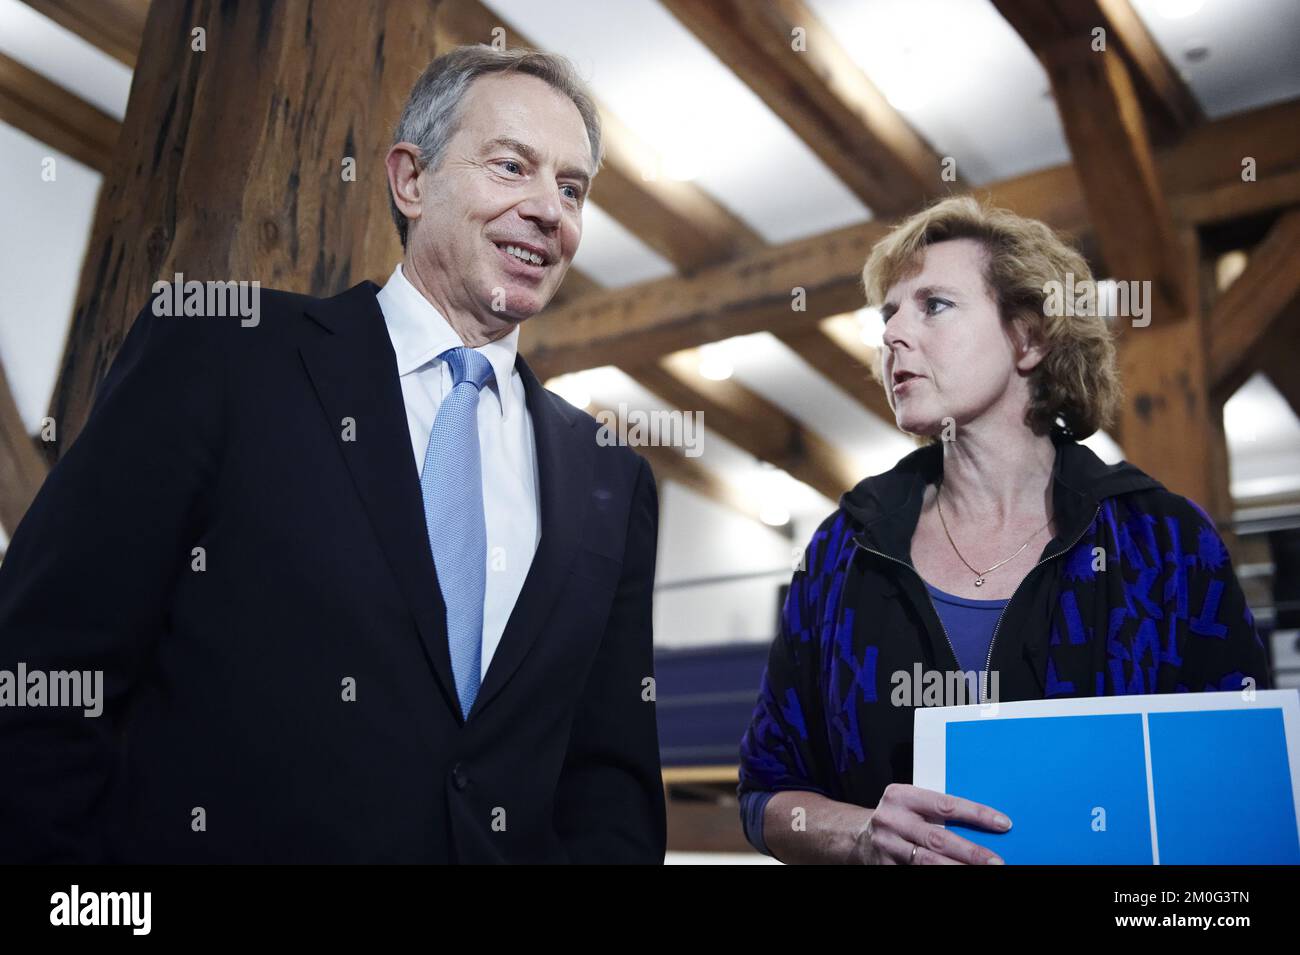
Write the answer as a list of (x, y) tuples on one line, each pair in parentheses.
[(233, 162), (1171, 421)]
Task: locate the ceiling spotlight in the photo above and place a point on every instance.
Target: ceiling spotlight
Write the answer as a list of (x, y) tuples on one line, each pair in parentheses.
[(570, 387), (872, 326), (774, 514), (714, 363)]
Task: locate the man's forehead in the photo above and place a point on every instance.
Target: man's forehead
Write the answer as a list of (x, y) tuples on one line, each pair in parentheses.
[(518, 108)]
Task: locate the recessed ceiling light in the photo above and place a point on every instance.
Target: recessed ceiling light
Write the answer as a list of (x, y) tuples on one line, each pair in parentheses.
[(714, 363), (774, 514), (571, 388)]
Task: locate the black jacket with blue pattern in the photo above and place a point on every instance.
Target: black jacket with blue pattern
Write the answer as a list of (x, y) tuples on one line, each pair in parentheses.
[(1135, 594)]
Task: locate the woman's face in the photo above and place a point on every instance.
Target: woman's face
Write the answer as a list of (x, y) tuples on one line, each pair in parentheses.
[(948, 353)]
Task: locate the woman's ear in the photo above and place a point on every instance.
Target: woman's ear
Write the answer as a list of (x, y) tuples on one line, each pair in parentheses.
[(1030, 349)]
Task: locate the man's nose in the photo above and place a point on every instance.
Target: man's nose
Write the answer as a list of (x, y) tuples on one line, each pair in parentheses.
[(542, 207)]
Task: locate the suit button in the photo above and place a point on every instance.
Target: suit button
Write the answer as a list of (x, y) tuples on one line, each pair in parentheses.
[(459, 778)]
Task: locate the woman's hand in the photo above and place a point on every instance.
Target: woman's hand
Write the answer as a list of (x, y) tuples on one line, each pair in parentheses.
[(908, 817)]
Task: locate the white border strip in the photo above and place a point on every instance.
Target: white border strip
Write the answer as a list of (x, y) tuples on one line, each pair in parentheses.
[(1151, 790)]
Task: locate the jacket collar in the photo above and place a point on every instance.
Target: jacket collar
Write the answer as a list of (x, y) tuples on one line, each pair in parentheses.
[(354, 372), (420, 334), (887, 506)]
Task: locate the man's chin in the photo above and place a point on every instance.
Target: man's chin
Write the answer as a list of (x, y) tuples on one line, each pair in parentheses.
[(517, 305)]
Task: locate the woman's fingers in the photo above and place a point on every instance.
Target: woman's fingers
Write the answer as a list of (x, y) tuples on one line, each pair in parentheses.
[(909, 813), (894, 831), (889, 847), (935, 840), (941, 806), (926, 856)]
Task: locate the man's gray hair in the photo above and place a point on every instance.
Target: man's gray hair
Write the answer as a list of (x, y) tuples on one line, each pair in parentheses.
[(432, 113)]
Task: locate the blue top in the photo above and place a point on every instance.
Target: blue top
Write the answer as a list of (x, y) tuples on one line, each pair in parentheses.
[(970, 625)]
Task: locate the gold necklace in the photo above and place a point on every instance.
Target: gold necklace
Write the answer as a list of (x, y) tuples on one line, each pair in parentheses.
[(979, 575)]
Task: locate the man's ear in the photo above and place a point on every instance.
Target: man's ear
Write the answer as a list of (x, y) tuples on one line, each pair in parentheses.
[(1030, 348), (404, 178)]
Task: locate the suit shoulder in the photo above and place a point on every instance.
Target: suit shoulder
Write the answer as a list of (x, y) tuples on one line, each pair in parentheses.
[(613, 452)]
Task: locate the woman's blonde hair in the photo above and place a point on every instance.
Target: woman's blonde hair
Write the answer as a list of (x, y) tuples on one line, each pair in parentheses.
[(1077, 381)]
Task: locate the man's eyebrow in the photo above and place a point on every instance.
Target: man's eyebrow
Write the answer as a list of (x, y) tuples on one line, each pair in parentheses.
[(531, 154), (514, 145)]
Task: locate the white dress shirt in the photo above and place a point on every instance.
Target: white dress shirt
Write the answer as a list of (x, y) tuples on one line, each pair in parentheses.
[(505, 435)]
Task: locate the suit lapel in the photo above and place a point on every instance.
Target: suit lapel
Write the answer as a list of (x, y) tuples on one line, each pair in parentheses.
[(354, 372), (565, 462)]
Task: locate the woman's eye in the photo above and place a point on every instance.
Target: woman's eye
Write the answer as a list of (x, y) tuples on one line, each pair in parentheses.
[(931, 303)]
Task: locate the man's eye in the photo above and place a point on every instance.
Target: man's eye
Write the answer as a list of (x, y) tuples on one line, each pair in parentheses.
[(511, 166), (572, 192)]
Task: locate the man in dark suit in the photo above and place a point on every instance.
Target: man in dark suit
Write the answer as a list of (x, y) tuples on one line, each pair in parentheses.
[(358, 587)]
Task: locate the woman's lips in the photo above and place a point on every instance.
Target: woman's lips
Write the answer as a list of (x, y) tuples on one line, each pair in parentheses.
[(900, 386)]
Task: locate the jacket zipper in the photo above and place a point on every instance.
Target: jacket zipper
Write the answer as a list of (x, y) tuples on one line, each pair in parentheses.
[(951, 648), (996, 627), (983, 693)]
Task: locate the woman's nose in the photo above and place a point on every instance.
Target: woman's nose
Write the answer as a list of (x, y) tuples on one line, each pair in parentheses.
[(895, 333)]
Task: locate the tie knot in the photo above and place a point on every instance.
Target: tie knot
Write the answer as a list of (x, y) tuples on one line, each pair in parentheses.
[(467, 365)]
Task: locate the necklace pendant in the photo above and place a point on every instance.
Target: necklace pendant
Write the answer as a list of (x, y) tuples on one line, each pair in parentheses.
[(979, 581)]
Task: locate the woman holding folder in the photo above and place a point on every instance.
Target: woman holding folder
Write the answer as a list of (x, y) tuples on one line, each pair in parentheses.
[(1002, 552)]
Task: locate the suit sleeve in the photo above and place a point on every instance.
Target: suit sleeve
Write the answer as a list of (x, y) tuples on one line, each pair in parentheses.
[(610, 799), (86, 581)]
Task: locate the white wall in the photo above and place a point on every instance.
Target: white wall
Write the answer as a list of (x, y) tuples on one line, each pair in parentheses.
[(700, 539)]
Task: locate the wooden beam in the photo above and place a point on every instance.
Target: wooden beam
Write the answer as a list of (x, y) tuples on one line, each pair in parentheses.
[(845, 364), (1171, 421), (1243, 319), (114, 26), (756, 293), (59, 119), (1168, 103), (749, 421), (22, 468), (625, 326), (1279, 360), (1234, 200), (196, 187), (1104, 126), (812, 83), (678, 220), (576, 284), (1240, 165)]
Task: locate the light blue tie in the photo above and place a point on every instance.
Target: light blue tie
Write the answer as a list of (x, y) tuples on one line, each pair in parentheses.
[(452, 482)]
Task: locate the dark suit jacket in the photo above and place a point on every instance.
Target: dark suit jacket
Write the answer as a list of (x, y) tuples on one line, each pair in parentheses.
[(226, 734)]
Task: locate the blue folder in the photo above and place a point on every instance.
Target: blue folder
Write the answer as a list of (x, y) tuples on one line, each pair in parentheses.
[(1078, 789)]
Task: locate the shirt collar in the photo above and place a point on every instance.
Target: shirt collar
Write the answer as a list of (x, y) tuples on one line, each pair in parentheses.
[(420, 334)]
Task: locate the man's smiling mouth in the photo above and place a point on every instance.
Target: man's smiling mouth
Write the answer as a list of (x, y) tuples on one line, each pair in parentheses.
[(523, 253)]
